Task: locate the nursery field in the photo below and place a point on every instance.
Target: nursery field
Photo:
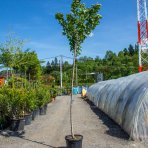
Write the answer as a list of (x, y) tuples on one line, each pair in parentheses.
[(49, 130)]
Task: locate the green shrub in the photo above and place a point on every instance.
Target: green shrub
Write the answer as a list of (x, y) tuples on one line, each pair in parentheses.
[(54, 91), (43, 95), (18, 82), (12, 102), (16, 102), (4, 104), (30, 101)]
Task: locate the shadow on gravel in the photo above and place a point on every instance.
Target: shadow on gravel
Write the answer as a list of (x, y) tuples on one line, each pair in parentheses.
[(114, 129), (20, 135), (41, 143), (9, 133)]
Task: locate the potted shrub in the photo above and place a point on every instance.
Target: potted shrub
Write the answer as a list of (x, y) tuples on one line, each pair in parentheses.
[(53, 93), (28, 96), (30, 105), (42, 99), (16, 99), (4, 104), (77, 27), (48, 94)]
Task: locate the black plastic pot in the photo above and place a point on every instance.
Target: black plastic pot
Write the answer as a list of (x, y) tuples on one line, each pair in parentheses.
[(35, 113), (74, 142), (28, 119), (17, 124), (43, 110), (45, 107), (6, 123)]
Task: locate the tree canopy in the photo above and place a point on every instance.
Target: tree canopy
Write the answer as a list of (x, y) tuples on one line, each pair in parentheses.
[(14, 57), (79, 23)]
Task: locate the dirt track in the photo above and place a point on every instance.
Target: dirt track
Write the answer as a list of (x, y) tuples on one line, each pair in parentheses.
[(98, 130)]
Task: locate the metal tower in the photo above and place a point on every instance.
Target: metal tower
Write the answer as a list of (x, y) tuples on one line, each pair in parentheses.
[(142, 34)]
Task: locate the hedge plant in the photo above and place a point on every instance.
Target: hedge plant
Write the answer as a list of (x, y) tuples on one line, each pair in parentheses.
[(4, 108), (30, 101), (18, 101), (43, 96)]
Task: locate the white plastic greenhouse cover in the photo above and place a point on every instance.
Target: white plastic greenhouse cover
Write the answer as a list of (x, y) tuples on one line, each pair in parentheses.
[(125, 100)]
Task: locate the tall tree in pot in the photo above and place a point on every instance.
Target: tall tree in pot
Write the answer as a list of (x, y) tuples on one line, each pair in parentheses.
[(77, 26)]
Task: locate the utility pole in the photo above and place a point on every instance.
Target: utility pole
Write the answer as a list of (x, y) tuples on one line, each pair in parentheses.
[(61, 73)]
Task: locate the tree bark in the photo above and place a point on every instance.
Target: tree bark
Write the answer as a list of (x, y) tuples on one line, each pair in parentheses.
[(73, 74)]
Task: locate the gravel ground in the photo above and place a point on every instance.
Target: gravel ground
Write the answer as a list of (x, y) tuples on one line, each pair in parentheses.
[(49, 130)]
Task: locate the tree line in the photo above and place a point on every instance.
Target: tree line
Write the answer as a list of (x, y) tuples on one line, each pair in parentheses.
[(113, 65)]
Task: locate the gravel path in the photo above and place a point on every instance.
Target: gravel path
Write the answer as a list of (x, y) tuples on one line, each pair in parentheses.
[(49, 130)]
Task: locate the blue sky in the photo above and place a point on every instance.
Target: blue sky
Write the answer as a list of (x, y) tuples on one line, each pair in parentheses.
[(34, 21)]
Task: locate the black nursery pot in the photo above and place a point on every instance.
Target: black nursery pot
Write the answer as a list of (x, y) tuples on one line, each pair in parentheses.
[(43, 110), (28, 119), (35, 113), (17, 124), (6, 123), (45, 106), (74, 143)]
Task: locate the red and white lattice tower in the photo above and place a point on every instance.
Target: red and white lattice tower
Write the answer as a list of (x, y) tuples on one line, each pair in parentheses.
[(142, 33)]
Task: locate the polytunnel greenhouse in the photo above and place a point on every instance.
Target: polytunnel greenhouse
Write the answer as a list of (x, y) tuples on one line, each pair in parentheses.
[(125, 100)]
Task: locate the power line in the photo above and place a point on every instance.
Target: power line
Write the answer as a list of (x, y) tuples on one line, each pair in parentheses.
[(68, 57), (49, 58), (56, 57)]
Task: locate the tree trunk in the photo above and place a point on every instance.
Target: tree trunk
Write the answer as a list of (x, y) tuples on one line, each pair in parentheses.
[(73, 74)]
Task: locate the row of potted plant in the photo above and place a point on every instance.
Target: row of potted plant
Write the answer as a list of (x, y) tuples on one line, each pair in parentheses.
[(18, 106)]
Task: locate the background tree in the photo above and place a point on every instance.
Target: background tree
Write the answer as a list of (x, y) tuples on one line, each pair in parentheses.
[(12, 56), (77, 26), (30, 65), (10, 51)]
